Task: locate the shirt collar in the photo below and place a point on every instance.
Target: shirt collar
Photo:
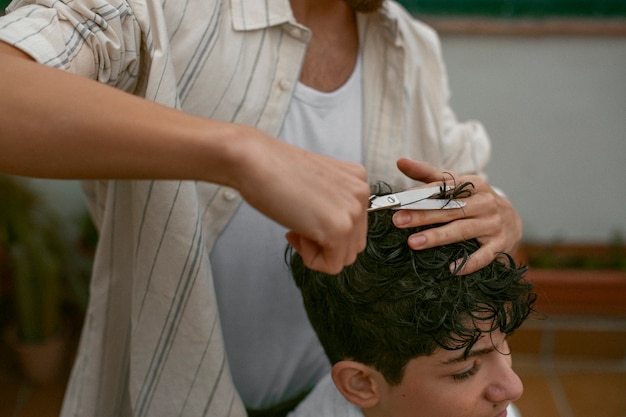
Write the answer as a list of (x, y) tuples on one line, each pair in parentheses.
[(389, 18), (253, 15), (386, 18)]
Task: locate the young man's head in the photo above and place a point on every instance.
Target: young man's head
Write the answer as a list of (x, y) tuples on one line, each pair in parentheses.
[(408, 337)]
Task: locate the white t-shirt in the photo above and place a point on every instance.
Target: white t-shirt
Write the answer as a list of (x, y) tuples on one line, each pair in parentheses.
[(260, 306)]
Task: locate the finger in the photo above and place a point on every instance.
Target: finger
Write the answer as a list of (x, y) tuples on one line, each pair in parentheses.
[(478, 260), (314, 256), (419, 170), (307, 248), (414, 218), (361, 233), (449, 233), (478, 206), (346, 254), (294, 240), (330, 261)]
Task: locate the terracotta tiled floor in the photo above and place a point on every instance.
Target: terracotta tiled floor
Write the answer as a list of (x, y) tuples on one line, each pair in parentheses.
[(571, 367)]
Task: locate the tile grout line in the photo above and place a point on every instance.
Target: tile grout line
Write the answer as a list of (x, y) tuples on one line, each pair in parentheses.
[(547, 365), (553, 367), (558, 395), (594, 324)]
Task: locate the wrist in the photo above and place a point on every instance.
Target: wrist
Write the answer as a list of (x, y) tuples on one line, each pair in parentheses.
[(232, 153)]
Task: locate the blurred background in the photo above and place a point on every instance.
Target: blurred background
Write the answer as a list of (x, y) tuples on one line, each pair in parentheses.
[(548, 80)]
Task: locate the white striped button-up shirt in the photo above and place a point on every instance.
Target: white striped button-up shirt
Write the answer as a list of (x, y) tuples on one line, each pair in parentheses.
[(151, 344)]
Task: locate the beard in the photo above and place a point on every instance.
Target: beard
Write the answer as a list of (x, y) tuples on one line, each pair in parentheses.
[(364, 6)]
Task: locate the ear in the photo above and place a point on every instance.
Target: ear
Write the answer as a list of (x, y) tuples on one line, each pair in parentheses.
[(356, 382)]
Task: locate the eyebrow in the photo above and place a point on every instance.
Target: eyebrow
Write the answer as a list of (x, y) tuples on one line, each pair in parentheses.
[(472, 354)]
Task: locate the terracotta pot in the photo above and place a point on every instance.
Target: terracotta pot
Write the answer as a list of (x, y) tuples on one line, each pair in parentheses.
[(577, 279), (580, 292), (41, 363)]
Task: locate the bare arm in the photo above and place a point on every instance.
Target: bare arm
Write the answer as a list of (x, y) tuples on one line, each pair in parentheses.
[(58, 125)]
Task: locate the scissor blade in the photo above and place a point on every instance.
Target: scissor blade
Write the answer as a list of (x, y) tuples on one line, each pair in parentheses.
[(432, 204), (402, 198), (417, 194)]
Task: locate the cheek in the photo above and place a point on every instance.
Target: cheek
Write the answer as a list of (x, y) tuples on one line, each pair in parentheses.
[(450, 400)]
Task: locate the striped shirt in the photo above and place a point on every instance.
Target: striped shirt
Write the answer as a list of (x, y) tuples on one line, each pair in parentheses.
[(151, 343)]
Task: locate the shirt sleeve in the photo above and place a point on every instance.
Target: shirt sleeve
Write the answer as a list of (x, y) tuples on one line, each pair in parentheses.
[(97, 39), (464, 145)]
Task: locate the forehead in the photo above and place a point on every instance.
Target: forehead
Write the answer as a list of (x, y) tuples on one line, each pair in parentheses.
[(442, 357)]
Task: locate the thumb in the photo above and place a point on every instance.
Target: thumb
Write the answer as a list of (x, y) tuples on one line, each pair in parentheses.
[(419, 170)]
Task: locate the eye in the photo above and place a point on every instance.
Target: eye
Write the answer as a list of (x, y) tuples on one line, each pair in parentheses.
[(466, 374)]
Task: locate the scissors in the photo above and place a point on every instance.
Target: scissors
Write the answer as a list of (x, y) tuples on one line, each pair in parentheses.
[(415, 199)]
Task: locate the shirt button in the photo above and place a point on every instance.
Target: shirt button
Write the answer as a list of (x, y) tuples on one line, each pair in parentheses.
[(230, 195), (284, 84), (295, 32)]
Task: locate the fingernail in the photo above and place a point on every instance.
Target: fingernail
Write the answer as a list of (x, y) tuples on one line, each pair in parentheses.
[(458, 266), (401, 218), (417, 241), (454, 267)]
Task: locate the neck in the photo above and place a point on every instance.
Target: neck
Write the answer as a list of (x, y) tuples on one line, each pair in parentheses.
[(332, 51), (311, 12)]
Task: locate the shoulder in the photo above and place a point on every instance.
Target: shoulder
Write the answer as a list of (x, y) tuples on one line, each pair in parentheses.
[(399, 28), (420, 42), (408, 24)]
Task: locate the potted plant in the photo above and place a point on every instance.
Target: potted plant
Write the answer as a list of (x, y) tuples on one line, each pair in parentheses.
[(34, 256), (578, 279)]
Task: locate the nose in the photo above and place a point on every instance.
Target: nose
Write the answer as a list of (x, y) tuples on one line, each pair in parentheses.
[(506, 385)]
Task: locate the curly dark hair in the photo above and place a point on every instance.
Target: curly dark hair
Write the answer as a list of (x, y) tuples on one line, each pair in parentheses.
[(395, 304)]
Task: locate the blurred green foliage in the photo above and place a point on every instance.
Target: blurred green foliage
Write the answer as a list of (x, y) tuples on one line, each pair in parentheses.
[(518, 8)]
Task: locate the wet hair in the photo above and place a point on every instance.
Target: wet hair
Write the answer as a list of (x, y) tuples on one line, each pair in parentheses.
[(395, 304)]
